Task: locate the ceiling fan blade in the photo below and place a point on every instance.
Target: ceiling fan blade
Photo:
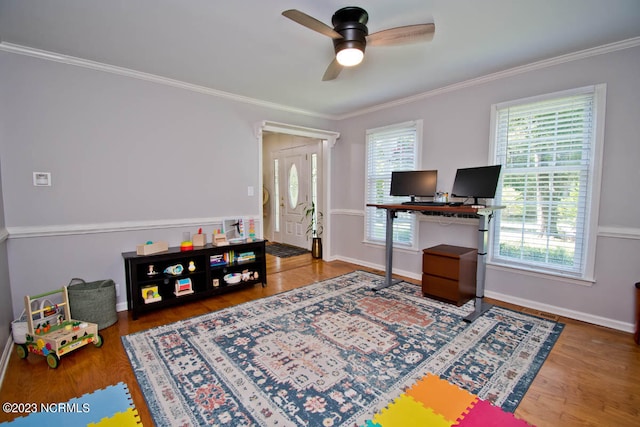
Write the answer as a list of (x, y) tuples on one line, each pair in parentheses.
[(402, 35), (311, 23), (333, 70)]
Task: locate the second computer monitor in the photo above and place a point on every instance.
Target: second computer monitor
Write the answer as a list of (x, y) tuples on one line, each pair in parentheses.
[(476, 183)]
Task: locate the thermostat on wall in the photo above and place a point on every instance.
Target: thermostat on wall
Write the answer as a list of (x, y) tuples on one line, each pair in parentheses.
[(42, 179)]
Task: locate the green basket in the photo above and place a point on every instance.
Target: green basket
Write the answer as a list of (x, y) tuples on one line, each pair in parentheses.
[(93, 302)]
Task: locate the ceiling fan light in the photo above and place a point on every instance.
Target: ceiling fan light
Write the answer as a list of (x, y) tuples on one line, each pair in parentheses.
[(349, 57)]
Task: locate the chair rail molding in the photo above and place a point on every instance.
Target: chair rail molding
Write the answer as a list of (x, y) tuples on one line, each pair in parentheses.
[(619, 232), (112, 227)]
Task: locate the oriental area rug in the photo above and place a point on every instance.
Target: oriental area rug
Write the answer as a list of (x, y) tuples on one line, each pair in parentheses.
[(333, 353)]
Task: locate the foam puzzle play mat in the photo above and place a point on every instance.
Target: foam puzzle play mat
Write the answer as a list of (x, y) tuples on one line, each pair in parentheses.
[(435, 402)]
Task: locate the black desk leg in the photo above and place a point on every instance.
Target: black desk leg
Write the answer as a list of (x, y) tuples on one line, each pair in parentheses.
[(388, 280), (483, 237)]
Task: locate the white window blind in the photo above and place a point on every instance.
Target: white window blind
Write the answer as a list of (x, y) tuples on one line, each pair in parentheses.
[(548, 149), (392, 148)]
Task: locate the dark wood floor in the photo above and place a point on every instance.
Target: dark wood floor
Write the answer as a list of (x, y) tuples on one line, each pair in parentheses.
[(591, 377)]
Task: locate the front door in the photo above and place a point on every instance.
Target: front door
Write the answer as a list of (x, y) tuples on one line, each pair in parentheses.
[(294, 194)]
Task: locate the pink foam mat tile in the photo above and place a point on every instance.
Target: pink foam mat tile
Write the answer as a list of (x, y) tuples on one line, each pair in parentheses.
[(484, 414)]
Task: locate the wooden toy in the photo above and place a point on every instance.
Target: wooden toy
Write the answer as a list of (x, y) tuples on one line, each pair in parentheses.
[(199, 239), (183, 287), (219, 239), (152, 248), (150, 294), (55, 334)]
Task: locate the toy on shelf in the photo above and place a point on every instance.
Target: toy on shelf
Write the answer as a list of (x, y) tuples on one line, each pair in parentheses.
[(151, 271), (183, 287), (150, 294), (232, 278), (219, 239), (252, 231), (199, 239), (54, 333), (152, 248), (174, 270)]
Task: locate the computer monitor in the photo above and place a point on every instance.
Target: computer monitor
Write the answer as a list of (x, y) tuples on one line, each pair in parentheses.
[(414, 183), (477, 183)]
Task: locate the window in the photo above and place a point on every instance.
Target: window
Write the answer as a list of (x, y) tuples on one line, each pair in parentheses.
[(391, 148), (550, 150), (293, 187)]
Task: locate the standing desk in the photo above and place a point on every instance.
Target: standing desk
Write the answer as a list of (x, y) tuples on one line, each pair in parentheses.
[(484, 215)]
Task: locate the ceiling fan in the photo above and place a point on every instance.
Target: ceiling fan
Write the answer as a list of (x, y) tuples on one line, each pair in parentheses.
[(350, 35)]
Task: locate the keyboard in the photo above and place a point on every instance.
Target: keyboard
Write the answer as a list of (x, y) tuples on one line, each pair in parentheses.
[(424, 203)]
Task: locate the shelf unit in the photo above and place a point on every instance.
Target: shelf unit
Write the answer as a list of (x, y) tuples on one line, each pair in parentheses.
[(150, 288)]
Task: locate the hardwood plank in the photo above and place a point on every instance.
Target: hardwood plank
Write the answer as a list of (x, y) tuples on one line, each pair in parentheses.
[(589, 379)]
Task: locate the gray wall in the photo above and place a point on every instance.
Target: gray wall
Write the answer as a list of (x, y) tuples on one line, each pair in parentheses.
[(6, 311), (131, 161), (456, 134)]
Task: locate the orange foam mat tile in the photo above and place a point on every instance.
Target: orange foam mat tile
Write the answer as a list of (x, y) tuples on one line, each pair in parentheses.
[(406, 412), (441, 396)]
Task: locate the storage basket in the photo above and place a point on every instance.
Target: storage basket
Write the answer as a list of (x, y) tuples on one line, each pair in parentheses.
[(19, 329), (93, 302)]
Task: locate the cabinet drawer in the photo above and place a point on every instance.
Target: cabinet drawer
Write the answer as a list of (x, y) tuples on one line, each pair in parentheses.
[(440, 288), (441, 266)]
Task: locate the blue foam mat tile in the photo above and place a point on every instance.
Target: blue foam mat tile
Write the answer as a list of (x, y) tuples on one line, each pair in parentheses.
[(80, 411)]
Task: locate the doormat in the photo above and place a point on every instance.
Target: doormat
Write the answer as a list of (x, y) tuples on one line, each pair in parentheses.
[(332, 353), (108, 407), (282, 250)]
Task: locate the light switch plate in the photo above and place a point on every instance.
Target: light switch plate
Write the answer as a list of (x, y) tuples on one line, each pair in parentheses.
[(42, 179)]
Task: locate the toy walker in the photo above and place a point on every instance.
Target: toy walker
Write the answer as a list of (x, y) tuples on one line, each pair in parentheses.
[(50, 330)]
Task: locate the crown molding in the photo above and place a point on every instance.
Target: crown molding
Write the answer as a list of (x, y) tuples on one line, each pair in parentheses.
[(98, 66), (583, 54), (79, 62)]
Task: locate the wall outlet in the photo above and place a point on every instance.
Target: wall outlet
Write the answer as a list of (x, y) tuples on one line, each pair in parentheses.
[(117, 290), (42, 179)]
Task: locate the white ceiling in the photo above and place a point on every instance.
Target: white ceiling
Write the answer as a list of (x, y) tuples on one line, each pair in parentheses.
[(247, 48)]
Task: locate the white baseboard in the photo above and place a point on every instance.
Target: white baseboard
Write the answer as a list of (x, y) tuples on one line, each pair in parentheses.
[(409, 274), (4, 360), (564, 312), (560, 311)]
